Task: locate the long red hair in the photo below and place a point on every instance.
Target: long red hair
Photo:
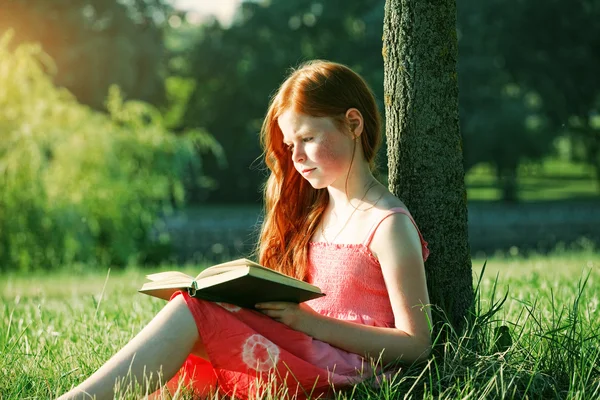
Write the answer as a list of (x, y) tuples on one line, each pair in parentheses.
[(293, 208)]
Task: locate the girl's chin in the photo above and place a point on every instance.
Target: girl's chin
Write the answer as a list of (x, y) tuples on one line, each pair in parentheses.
[(317, 183)]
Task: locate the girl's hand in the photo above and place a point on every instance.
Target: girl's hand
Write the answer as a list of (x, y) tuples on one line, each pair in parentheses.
[(299, 317)]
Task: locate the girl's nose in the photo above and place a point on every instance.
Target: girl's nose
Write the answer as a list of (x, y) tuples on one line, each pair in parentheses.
[(298, 155)]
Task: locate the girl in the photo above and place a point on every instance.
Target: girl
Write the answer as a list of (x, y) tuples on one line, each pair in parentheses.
[(327, 221)]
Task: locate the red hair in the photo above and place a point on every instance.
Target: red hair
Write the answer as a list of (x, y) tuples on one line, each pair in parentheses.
[(293, 208)]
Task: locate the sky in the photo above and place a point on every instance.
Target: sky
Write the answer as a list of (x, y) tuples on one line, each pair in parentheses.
[(222, 9)]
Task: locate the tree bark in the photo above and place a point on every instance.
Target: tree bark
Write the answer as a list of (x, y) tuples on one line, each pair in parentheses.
[(424, 143)]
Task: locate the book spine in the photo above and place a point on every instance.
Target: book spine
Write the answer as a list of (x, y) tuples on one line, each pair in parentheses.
[(193, 289)]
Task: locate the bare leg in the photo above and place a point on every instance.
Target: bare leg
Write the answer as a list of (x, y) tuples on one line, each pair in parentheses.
[(160, 348)]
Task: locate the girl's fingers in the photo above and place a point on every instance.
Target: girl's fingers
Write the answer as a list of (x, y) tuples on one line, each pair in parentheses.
[(272, 313), (275, 314), (268, 313)]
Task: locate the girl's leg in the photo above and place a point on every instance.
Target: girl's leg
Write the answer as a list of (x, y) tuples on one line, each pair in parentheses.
[(160, 348)]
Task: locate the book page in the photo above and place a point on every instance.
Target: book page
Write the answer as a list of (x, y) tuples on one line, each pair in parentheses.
[(170, 276), (227, 266), (231, 265)]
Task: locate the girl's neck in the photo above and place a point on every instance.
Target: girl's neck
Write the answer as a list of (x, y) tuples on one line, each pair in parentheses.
[(347, 195)]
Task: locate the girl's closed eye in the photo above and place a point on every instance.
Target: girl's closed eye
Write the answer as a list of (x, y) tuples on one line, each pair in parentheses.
[(290, 146)]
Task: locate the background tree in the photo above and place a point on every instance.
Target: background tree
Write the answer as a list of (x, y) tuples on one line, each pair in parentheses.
[(424, 142), (554, 49), (78, 185), (96, 43), (501, 122)]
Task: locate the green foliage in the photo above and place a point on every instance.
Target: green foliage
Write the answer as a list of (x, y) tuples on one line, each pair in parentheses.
[(502, 123), (96, 44), (77, 185), (541, 46)]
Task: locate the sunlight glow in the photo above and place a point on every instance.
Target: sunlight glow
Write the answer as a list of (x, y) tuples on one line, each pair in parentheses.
[(223, 10)]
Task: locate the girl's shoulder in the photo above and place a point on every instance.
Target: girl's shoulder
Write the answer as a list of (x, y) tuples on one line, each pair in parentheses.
[(389, 204), (393, 224)]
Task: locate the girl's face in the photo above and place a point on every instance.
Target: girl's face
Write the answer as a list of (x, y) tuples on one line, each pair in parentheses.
[(321, 153)]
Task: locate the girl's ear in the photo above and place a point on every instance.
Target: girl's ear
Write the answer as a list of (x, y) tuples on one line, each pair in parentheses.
[(355, 122)]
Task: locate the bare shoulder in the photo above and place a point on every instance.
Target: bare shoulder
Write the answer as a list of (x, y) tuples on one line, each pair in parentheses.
[(389, 201), (396, 230), (396, 235), (391, 230)]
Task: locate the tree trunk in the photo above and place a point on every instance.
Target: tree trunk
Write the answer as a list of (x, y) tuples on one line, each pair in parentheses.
[(425, 145), (506, 177), (593, 153)]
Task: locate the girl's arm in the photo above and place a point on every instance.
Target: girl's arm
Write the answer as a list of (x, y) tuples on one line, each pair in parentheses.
[(398, 247), (370, 341)]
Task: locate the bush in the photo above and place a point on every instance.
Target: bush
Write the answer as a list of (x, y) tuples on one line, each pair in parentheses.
[(77, 185)]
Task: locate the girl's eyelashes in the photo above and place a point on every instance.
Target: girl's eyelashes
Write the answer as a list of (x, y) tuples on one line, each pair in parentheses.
[(290, 146)]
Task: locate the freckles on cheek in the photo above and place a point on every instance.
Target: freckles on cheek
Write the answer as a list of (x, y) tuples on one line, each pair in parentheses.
[(329, 152)]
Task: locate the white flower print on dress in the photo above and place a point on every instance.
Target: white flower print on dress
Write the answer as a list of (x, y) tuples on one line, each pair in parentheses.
[(351, 316), (260, 353), (229, 307)]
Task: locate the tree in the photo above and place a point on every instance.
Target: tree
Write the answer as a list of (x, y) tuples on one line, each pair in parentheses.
[(95, 44), (501, 122), (554, 49), (424, 142), (70, 195)]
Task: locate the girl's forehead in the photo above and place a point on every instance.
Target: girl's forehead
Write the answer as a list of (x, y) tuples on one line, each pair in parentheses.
[(293, 123)]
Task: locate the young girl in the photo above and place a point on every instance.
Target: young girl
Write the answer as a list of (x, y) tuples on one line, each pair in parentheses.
[(327, 221)]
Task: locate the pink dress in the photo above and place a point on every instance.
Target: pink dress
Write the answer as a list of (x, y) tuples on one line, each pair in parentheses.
[(247, 349)]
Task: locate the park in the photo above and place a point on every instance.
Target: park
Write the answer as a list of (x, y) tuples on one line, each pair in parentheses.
[(129, 145)]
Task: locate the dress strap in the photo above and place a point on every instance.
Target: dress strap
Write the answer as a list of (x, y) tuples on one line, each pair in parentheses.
[(392, 211)]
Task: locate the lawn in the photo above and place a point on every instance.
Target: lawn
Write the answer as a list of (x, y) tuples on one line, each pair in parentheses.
[(58, 328)]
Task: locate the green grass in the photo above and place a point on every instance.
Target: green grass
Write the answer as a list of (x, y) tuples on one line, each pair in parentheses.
[(552, 179), (56, 329)]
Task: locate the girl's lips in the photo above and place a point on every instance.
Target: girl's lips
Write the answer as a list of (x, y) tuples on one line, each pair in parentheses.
[(307, 171)]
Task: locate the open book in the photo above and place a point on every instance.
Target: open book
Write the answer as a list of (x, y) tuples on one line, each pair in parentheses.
[(241, 282)]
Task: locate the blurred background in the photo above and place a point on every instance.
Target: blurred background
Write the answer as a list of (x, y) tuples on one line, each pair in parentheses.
[(129, 128)]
